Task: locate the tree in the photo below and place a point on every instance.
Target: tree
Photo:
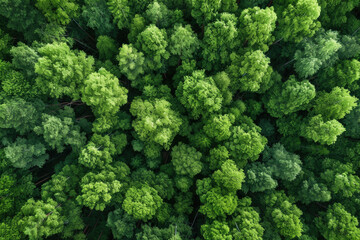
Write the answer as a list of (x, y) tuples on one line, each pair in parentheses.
[(334, 105), (297, 20), (5, 41), (334, 13), (23, 17), (259, 178), (307, 188), (60, 12), (216, 230), (246, 223), (26, 153), (289, 97), (229, 177), (183, 42), (283, 164), (98, 189), (350, 122), (345, 74), (62, 71), (203, 11), (340, 178), (337, 223), (64, 184), (15, 190), (41, 219), (217, 156), (324, 132), (59, 131), (121, 224), (131, 63), (24, 59), (249, 71), (97, 16), (256, 26), (245, 143), (316, 53), (103, 93), (107, 47), (199, 94), (153, 43), (283, 214), (216, 203), (142, 203), (223, 82), (219, 41), (218, 127), (18, 114), (158, 13), (155, 121), (97, 152), (186, 160)]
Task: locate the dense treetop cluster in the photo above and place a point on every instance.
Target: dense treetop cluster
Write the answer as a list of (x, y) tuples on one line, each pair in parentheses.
[(179, 119)]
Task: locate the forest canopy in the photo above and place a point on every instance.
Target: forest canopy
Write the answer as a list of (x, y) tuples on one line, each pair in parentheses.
[(179, 119)]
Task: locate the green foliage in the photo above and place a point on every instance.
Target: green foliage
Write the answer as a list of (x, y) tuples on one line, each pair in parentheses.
[(245, 143), (60, 12), (246, 224), (62, 71), (297, 20), (142, 203), (107, 47), (351, 122), (122, 225), (219, 41), (199, 94), (22, 16), (155, 121), (64, 184), (283, 215), (337, 223), (186, 160), (334, 105), (282, 164), (204, 10), (250, 71), (131, 63), (5, 41), (24, 59), (98, 17), (218, 127), (20, 115), (15, 190), (98, 189), (60, 131), (183, 42), (97, 152), (41, 219), (289, 97), (344, 74), (229, 177), (334, 13), (340, 178), (324, 132), (258, 178), (316, 53), (216, 230), (256, 26), (103, 93), (221, 100), (153, 43), (26, 153)]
